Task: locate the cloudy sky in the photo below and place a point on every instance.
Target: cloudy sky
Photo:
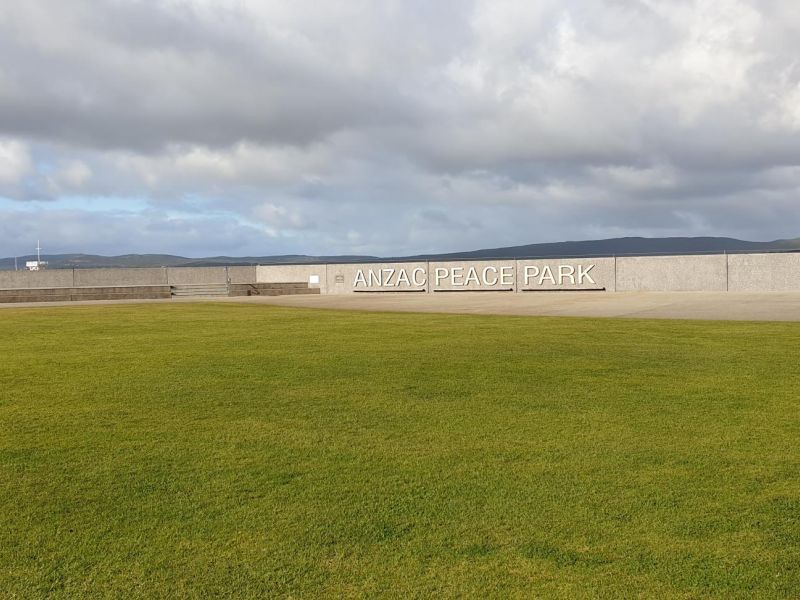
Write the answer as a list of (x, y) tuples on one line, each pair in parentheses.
[(260, 127)]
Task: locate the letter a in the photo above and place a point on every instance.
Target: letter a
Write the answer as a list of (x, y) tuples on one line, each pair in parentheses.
[(547, 273), (360, 279), (402, 278)]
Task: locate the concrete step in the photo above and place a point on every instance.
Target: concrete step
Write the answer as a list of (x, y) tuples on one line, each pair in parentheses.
[(222, 290), (200, 290), (280, 285), (72, 294), (118, 289), (271, 289), (86, 296), (290, 292)]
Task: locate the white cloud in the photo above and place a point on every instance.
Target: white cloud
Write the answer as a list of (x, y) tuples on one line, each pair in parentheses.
[(245, 163), (70, 177), (15, 161), (346, 127)]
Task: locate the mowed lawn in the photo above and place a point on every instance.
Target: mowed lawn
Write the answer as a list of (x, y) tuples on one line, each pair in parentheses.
[(224, 450)]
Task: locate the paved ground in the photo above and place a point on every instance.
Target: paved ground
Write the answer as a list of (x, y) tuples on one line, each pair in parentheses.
[(772, 306)]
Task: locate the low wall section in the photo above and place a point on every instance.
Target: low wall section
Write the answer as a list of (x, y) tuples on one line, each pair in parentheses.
[(672, 273), (196, 275), (691, 273), (313, 275), (15, 280), (106, 277), (778, 272), (245, 274), (764, 272), (73, 278)]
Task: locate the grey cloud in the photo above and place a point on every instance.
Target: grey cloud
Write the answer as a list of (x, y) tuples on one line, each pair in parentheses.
[(403, 127), (173, 77), (120, 232)]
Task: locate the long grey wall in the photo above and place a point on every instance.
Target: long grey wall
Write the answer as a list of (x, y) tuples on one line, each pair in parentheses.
[(62, 278), (717, 272)]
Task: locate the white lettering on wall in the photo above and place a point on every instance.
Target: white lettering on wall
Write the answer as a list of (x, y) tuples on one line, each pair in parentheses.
[(585, 274), (486, 280), (389, 277), (547, 273), (472, 277), (387, 280), (360, 279), (564, 272)]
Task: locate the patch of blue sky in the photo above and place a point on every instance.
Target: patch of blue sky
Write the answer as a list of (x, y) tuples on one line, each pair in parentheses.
[(81, 203)]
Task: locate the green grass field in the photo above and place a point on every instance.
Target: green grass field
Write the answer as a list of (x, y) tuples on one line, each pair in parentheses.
[(223, 450)]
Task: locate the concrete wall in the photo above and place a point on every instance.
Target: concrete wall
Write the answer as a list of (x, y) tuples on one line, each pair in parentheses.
[(194, 275), (764, 272), (107, 277), (245, 274), (719, 272), (62, 278), (450, 276), (292, 274), (672, 273), (376, 277), (71, 294), (35, 279), (472, 276), (716, 272), (566, 274)]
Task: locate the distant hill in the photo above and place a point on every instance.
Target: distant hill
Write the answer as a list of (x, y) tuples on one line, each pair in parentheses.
[(86, 261), (615, 246), (628, 245)]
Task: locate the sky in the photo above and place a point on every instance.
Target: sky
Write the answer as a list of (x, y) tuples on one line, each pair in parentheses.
[(261, 127)]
